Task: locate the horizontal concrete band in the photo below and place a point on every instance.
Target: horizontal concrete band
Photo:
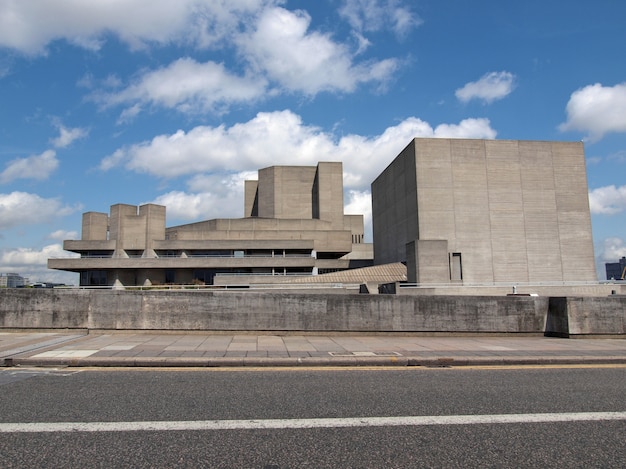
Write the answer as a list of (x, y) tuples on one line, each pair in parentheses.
[(250, 311)]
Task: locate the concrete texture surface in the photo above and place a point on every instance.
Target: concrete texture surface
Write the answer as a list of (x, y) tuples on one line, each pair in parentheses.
[(268, 311), (293, 312), (485, 211), (207, 349)]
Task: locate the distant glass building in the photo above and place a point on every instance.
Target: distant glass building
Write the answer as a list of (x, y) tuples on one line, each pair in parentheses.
[(11, 280), (616, 270)]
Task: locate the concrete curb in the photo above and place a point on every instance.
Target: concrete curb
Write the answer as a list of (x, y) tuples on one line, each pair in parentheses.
[(259, 362)]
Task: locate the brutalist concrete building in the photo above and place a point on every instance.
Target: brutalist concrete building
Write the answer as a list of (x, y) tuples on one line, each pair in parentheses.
[(485, 211), (294, 225)]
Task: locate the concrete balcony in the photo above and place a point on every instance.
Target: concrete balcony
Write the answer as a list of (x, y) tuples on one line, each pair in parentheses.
[(95, 263)]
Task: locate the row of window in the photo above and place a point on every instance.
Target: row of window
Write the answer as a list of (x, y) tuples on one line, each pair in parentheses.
[(205, 276), (207, 253)]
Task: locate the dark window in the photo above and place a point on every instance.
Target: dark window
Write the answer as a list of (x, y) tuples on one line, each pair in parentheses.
[(93, 278)]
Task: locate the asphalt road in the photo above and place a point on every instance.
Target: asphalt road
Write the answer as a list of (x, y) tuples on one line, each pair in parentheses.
[(313, 418)]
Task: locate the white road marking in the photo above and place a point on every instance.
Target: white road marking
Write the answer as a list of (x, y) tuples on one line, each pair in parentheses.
[(281, 424)]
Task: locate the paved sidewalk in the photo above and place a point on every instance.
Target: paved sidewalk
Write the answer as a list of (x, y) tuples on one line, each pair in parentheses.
[(145, 349)]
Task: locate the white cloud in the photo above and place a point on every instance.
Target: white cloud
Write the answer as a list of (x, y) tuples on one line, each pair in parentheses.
[(185, 206), (68, 135), (211, 196), (376, 15), (608, 250), (608, 200), (61, 235), (32, 263), (611, 249), (22, 208), (490, 87), (277, 53), (310, 62), (360, 203), (281, 138), (29, 26), (186, 85), (33, 167), (28, 256), (221, 158), (597, 110)]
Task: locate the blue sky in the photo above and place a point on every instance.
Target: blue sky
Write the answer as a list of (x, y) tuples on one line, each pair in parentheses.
[(177, 103)]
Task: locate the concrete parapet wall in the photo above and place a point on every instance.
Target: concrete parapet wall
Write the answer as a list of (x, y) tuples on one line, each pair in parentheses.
[(269, 311), (569, 317), (280, 311), (574, 290)]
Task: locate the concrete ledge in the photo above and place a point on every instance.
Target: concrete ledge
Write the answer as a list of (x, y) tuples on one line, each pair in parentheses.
[(280, 312), (250, 311), (255, 362)]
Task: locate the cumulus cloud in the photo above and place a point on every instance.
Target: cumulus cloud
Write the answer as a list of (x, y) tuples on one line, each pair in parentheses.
[(284, 139), (30, 26), (612, 249), (60, 235), (360, 203), (376, 15), (68, 135), (490, 87), (608, 200), (22, 208), (608, 250), (276, 50), (186, 85), (221, 158), (282, 47), (28, 256), (32, 263), (37, 167), (596, 110)]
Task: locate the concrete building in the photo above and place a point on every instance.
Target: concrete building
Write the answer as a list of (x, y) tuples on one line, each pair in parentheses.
[(12, 280), (485, 211), (294, 225), (616, 270)]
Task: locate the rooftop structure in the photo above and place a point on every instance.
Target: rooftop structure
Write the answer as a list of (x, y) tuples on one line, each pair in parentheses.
[(616, 270)]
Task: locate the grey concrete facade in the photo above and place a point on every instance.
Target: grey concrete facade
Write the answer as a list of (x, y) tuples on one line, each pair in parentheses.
[(294, 226), (485, 211)]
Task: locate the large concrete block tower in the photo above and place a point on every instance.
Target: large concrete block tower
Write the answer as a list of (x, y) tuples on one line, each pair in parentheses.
[(485, 211)]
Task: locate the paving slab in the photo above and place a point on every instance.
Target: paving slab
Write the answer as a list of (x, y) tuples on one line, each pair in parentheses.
[(149, 349)]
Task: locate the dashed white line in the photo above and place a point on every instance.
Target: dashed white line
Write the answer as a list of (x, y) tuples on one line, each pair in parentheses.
[(280, 424)]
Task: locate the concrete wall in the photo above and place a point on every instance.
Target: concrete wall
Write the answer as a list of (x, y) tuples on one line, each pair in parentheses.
[(95, 226), (280, 311), (570, 317), (328, 194), (514, 211), (286, 192), (394, 208), (569, 290)]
